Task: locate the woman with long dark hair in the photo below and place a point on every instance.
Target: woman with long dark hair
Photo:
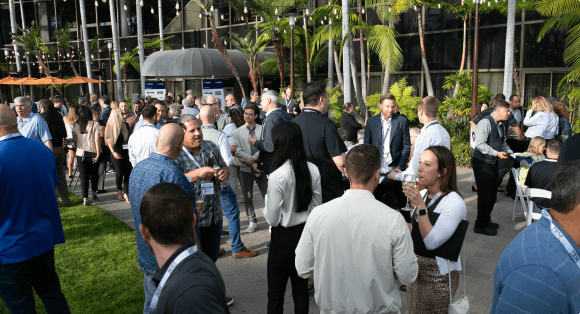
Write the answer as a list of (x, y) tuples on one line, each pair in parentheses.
[(293, 191), (86, 138), (430, 292), (117, 135)]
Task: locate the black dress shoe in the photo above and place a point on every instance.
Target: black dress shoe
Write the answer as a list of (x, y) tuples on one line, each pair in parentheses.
[(487, 231), (101, 191), (493, 225)]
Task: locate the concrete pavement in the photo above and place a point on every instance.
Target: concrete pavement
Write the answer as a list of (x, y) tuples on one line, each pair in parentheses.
[(246, 280)]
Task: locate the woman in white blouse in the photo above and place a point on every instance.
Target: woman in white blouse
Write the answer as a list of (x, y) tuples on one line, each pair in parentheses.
[(293, 191), (541, 120), (430, 291)]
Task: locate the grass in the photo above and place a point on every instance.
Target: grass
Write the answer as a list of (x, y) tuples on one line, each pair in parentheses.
[(97, 265)]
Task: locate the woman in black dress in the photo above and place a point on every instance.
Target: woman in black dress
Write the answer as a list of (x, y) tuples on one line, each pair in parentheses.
[(349, 124)]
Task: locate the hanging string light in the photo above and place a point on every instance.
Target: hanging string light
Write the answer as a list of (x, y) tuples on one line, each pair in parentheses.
[(389, 9), (222, 17), (278, 19), (152, 11), (211, 8), (363, 10), (125, 7), (242, 17), (307, 11), (96, 3), (245, 9), (276, 11), (182, 48), (334, 11), (141, 3), (176, 13), (104, 1), (489, 4), (439, 5), (177, 5)]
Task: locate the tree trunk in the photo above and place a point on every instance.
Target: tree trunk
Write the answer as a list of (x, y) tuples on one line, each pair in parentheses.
[(86, 45), (509, 48), (356, 81), (308, 74), (223, 51), (463, 55), (139, 14), (330, 70), (387, 78), (363, 74), (347, 87), (430, 91), (72, 64), (112, 9), (337, 66), (279, 51)]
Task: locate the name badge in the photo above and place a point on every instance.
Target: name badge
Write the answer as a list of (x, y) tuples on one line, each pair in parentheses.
[(207, 189), (125, 146)]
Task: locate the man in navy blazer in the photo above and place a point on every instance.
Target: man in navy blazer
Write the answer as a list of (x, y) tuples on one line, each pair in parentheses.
[(389, 131)]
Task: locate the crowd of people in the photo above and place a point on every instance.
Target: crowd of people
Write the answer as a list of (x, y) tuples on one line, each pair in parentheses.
[(377, 194)]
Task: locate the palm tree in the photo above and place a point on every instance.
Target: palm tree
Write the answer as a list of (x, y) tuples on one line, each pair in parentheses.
[(86, 43), (428, 82), (249, 48), (63, 42)]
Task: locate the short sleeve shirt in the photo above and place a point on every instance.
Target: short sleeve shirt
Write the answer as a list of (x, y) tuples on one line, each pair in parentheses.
[(34, 127), (322, 143)]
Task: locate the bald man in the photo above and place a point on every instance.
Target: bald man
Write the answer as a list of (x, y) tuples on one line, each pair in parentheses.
[(160, 167), (30, 226)]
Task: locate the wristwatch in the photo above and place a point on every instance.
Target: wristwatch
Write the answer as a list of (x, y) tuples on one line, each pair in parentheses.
[(422, 211)]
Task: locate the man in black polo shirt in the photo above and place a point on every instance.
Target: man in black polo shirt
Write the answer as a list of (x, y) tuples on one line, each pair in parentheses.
[(187, 280), (541, 173), (58, 132), (322, 143)]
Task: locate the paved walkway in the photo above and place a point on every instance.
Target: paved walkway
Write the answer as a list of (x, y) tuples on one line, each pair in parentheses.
[(246, 281)]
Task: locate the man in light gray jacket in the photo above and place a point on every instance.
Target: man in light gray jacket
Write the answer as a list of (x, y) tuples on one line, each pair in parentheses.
[(248, 155)]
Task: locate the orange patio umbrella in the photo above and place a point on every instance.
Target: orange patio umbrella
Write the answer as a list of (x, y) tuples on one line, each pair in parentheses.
[(82, 80), (25, 81), (8, 80), (50, 80)]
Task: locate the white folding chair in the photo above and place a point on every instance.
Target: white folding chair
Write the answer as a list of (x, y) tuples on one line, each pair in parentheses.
[(519, 194), (531, 194)]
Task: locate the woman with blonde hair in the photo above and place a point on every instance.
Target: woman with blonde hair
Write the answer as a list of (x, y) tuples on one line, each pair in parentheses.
[(117, 138), (114, 105), (537, 148), (541, 120), (69, 121)]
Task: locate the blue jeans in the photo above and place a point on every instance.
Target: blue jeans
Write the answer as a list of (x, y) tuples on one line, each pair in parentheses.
[(18, 279), (148, 287), (229, 204)]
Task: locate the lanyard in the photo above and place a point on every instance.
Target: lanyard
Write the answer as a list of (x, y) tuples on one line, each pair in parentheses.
[(171, 268), (558, 234), (433, 200), (192, 158), (311, 111), (430, 124), (149, 125), (9, 136)]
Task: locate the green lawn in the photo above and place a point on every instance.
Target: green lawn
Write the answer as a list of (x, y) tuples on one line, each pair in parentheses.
[(97, 265)]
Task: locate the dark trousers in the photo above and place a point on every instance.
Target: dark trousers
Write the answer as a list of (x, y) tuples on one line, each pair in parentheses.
[(17, 281), (247, 180), (281, 267), (105, 153), (123, 170), (505, 166), (390, 193), (209, 239), (61, 187), (88, 171), (486, 178)]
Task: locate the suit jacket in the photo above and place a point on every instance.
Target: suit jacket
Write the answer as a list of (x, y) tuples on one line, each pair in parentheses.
[(289, 104), (264, 145), (400, 144)]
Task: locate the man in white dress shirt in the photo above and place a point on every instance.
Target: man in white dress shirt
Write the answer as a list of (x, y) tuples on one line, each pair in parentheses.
[(356, 246), (143, 142), (432, 134)]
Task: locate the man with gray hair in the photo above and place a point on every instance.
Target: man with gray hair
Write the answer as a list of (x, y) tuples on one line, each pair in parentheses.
[(188, 107), (175, 111), (274, 116), (94, 100), (221, 117), (31, 125), (81, 100)]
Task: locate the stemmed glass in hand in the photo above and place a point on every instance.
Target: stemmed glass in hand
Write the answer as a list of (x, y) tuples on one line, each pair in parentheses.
[(408, 178)]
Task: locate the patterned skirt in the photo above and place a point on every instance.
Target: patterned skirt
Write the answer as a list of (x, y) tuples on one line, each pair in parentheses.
[(430, 291)]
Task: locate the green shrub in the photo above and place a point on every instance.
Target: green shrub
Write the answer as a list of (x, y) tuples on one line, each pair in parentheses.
[(457, 126), (461, 103), (462, 153)]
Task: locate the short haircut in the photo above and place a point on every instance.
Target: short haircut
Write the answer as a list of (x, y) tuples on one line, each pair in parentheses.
[(387, 96), (272, 95), (148, 112), (167, 212), (218, 101), (429, 105), (513, 96), (566, 187), (312, 93), (45, 104), (106, 100), (168, 102), (252, 107), (175, 110), (186, 102), (81, 100), (205, 100), (186, 118), (254, 92), (362, 162), (554, 145), (159, 102), (137, 102), (23, 99), (498, 104), (499, 96)]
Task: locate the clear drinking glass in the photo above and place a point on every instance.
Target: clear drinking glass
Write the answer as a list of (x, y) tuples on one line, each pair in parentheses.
[(408, 179)]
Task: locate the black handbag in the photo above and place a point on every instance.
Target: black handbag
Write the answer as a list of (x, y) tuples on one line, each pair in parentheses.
[(449, 250)]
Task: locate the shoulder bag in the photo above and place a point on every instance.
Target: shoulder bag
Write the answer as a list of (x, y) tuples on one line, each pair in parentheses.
[(460, 306)]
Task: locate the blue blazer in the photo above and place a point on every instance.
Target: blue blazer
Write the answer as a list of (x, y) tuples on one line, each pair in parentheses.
[(400, 145)]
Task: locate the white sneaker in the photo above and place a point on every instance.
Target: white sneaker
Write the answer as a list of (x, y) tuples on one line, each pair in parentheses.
[(252, 227)]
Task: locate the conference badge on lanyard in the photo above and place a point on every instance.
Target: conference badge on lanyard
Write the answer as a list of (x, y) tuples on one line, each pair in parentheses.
[(206, 188), (562, 238)]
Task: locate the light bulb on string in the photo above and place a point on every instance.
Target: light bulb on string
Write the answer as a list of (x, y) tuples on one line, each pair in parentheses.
[(311, 18), (203, 45), (415, 7), (363, 10), (439, 5), (96, 3), (389, 8), (276, 11), (329, 21), (278, 19), (222, 17), (334, 11), (125, 7), (325, 17), (176, 13), (182, 48), (177, 5), (261, 18), (489, 3), (141, 3), (152, 11), (211, 8), (242, 17), (245, 9), (307, 11), (284, 31), (104, 1)]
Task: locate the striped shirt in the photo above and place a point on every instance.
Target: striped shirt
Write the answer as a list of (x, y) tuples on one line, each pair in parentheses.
[(535, 274)]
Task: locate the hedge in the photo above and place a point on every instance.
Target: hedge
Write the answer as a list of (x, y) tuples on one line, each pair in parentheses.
[(462, 153)]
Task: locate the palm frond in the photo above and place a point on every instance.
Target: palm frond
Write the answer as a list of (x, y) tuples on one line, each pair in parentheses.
[(381, 40)]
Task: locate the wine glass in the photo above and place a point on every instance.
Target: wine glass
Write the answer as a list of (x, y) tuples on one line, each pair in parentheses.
[(408, 178)]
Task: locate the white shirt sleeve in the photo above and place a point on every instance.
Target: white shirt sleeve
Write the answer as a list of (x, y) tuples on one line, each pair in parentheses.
[(451, 210), (304, 260), (273, 202), (225, 149)]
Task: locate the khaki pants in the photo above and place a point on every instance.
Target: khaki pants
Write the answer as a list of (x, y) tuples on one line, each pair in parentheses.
[(61, 187)]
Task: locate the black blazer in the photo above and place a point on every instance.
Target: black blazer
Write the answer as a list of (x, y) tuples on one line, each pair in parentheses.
[(264, 145), (400, 145)]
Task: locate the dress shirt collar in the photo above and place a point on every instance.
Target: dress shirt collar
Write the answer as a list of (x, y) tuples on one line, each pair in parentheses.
[(10, 135), (161, 156), (208, 126), (247, 127), (358, 193), (149, 124), (386, 121), (428, 124), (26, 119), (269, 112)]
